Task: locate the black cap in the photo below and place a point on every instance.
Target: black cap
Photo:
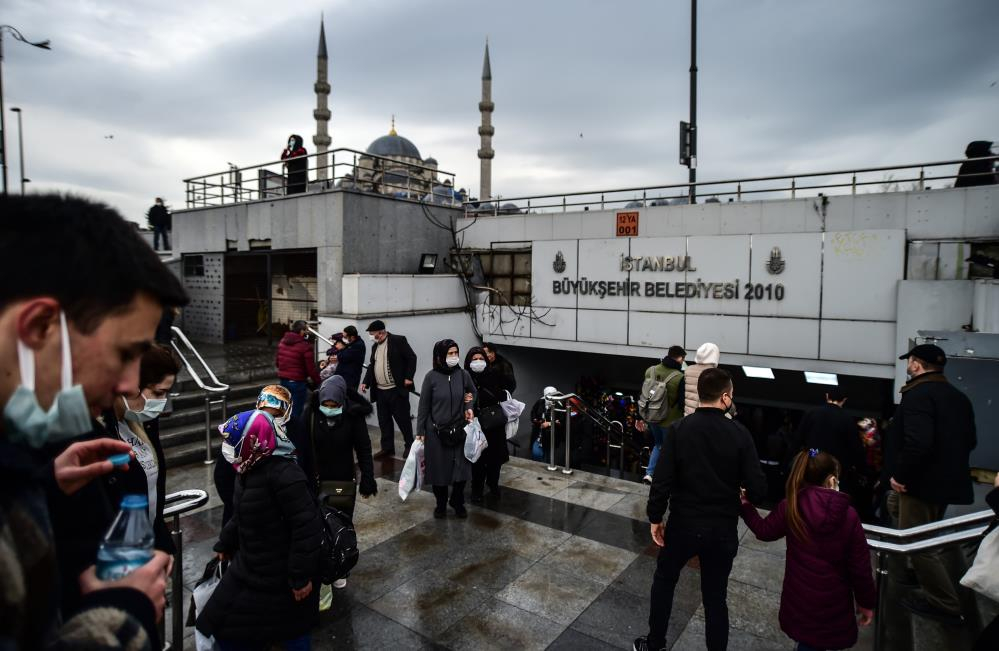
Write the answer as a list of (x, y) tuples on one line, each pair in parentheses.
[(350, 330), (927, 353), (376, 325)]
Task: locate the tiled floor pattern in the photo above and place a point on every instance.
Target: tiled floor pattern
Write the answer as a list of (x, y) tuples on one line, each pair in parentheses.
[(557, 562)]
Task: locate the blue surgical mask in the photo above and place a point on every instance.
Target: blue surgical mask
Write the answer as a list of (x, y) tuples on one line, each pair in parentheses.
[(69, 415), (331, 412), (151, 411)]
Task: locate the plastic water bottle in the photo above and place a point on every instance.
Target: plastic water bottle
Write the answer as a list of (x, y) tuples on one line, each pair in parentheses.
[(128, 544)]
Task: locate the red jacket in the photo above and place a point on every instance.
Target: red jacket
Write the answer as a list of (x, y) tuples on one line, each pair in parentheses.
[(823, 575), (295, 360)]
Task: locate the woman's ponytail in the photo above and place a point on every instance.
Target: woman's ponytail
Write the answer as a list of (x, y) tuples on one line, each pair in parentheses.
[(809, 467)]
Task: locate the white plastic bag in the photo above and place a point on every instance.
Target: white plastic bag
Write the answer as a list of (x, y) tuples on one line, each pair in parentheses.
[(202, 593), (412, 472), (513, 408), (475, 441), (983, 576)]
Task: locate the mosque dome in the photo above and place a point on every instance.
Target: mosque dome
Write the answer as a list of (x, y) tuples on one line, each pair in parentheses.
[(394, 145)]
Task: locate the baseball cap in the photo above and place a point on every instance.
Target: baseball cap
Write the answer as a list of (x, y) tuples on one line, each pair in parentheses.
[(928, 353)]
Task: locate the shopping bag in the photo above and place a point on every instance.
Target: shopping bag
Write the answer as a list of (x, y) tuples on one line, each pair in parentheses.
[(475, 440), (203, 591), (412, 472), (513, 409), (983, 576)]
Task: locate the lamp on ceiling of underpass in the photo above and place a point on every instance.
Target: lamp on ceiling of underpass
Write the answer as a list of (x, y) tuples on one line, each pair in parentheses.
[(830, 379), (428, 263), (758, 372)]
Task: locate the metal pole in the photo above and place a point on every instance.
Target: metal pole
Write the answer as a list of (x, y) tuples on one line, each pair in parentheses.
[(567, 469), (20, 145), (3, 120), (880, 616), (208, 429), (551, 433), (693, 101), (177, 640)]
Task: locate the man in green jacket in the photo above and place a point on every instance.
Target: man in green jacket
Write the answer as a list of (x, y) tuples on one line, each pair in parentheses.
[(661, 401)]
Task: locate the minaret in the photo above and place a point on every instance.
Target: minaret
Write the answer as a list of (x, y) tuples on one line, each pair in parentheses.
[(322, 113), (486, 131)]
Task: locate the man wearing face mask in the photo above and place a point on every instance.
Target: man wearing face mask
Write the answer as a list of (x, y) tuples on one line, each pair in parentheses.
[(88, 295), (297, 167), (351, 359), (390, 378), (927, 449), (706, 459)]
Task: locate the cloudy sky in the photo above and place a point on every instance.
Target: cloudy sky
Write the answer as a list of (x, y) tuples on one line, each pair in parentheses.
[(785, 85)]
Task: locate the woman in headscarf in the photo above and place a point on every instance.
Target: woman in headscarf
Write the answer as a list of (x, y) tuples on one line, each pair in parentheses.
[(492, 384), (269, 595), (446, 401)]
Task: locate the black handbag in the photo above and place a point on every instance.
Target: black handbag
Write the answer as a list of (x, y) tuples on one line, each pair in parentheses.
[(340, 495), (492, 417), (452, 434)]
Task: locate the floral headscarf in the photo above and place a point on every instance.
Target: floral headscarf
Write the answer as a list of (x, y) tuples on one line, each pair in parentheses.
[(252, 436)]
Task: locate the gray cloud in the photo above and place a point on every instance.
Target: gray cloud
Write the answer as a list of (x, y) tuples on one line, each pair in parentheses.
[(783, 85)]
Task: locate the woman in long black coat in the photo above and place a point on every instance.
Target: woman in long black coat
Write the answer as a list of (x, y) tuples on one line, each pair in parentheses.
[(270, 593), (446, 401), (492, 384)]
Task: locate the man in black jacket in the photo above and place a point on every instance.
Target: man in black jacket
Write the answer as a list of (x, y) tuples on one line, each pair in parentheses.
[(350, 360), (159, 220), (706, 459), (927, 451), (830, 429), (390, 378), (500, 363)]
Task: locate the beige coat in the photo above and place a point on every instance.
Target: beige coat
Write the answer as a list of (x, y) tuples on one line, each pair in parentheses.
[(707, 357)]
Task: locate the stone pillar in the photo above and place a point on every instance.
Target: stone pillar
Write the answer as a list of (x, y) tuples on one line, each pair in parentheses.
[(322, 139), (486, 131)]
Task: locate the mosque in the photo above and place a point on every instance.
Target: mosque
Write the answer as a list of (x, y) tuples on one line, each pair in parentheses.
[(393, 165)]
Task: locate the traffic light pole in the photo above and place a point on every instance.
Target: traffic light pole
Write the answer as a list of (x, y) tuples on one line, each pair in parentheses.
[(692, 164)]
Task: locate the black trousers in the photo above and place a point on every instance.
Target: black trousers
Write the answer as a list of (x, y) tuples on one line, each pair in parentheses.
[(716, 547), (485, 471), (393, 404), (457, 496)]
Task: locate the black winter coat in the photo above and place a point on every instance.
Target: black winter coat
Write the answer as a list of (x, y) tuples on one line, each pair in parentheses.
[(830, 429), (401, 362), (492, 385), (503, 365), (335, 441), (274, 539), (928, 445), (350, 363)]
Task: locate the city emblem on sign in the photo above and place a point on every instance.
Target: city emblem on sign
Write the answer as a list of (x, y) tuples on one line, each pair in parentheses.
[(559, 264), (776, 263)]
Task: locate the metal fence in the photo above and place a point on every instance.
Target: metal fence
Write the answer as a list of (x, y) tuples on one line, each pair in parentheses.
[(892, 178), (345, 169)]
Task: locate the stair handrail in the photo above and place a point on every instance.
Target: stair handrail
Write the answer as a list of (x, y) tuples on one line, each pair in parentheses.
[(606, 424), (971, 526), (174, 505), (219, 386)]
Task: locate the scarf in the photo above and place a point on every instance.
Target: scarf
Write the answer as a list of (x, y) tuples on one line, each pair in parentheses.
[(251, 437)]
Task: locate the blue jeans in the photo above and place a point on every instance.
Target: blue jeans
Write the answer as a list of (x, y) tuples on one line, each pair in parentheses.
[(658, 435), (303, 643), (299, 396), (158, 232)]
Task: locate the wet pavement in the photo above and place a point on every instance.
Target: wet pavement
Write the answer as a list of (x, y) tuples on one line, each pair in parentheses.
[(556, 562)]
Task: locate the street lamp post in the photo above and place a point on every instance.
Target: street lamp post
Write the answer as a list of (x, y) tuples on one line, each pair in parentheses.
[(20, 145), (3, 121), (693, 101)]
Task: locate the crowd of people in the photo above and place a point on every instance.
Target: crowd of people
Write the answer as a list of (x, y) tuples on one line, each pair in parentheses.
[(86, 385)]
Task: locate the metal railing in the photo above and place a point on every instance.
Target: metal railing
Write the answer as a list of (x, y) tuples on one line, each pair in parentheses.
[(214, 389), (784, 186), (579, 406), (345, 169), (905, 542), (174, 506)]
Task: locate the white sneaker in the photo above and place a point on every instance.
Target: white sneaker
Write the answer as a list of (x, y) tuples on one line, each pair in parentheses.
[(340, 583), (647, 479)]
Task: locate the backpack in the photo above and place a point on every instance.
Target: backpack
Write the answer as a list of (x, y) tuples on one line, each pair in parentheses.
[(339, 548), (653, 403)]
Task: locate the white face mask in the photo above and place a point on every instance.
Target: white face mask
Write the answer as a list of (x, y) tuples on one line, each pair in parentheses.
[(69, 415), (151, 410), (452, 361), (478, 365)]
